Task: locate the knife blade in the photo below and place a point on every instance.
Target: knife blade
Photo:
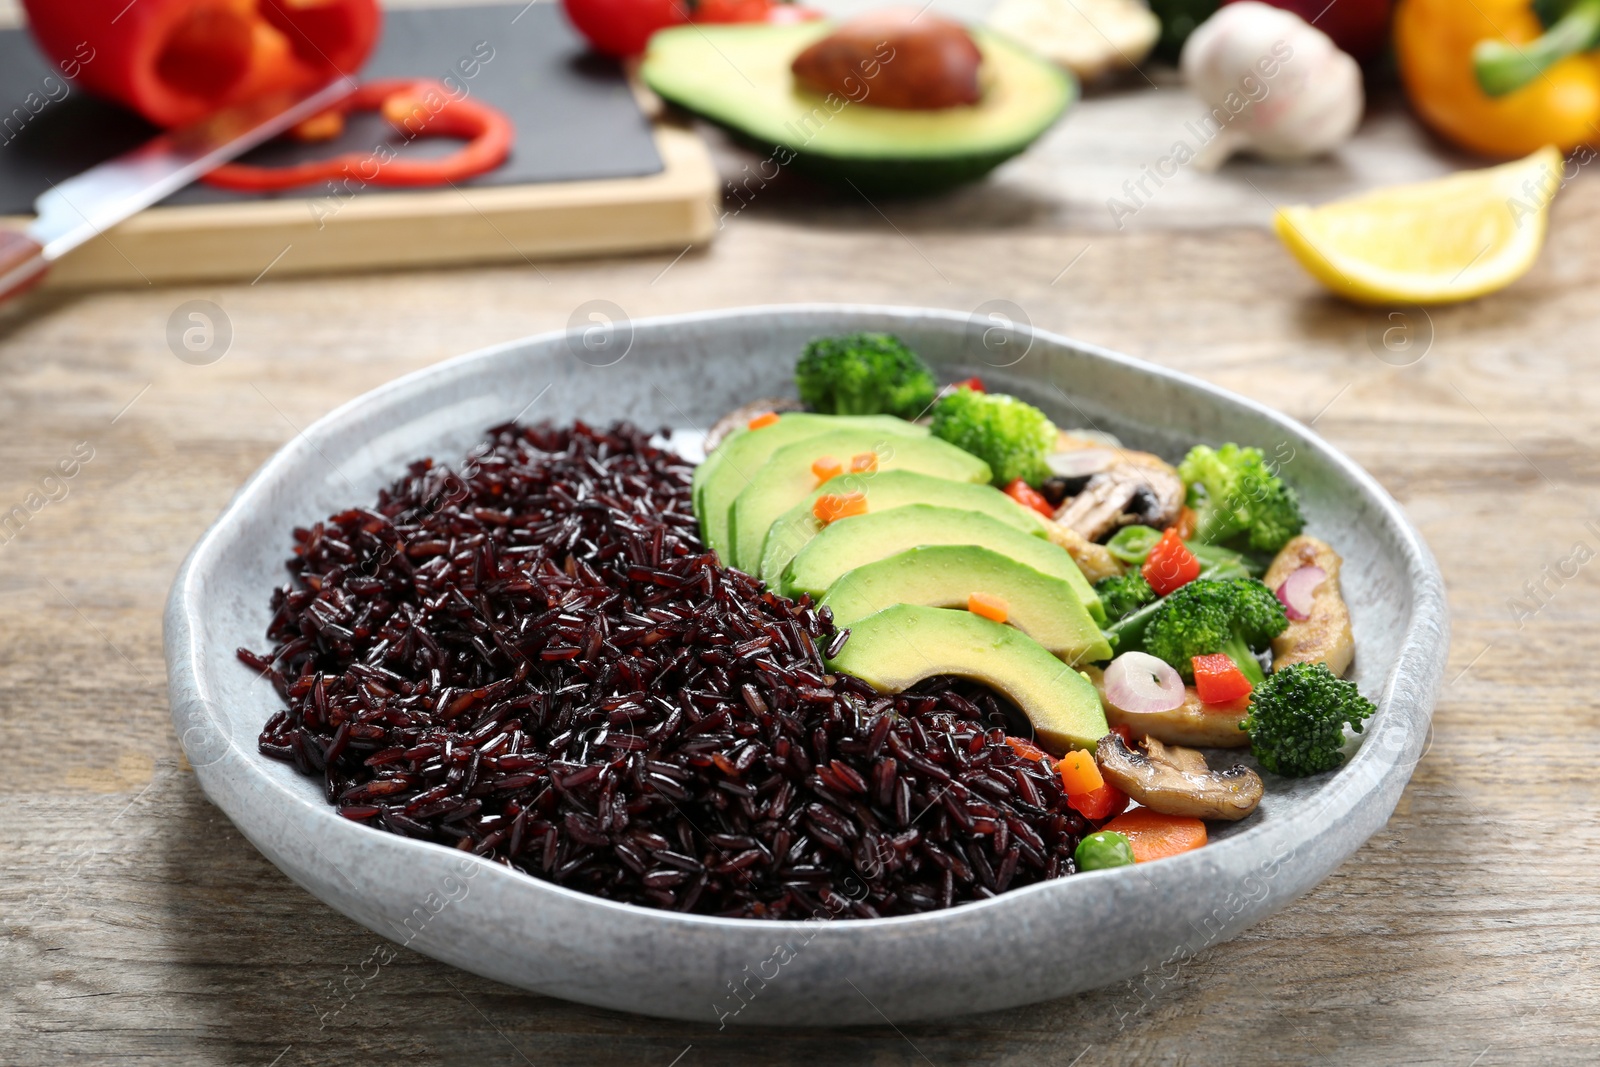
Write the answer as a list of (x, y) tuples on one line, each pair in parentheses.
[(82, 207)]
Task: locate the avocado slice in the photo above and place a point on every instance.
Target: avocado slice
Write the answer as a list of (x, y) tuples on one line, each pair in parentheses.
[(898, 647), (734, 463), (885, 490), (786, 479), (1047, 609), (855, 542), (738, 76)]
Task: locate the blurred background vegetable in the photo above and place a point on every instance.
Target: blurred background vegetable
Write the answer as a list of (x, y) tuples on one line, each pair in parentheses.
[(622, 28), (1277, 86), (1437, 45), (1179, 18), (1360, 27), (1091, 38), (176, 61)]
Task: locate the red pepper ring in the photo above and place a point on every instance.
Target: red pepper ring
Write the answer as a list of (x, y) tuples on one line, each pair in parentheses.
[(416, 109)]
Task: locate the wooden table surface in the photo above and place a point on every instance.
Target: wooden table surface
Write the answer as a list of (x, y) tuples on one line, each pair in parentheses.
[(141, 928)]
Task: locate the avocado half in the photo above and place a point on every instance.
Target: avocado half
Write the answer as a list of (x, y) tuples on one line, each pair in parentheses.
[(738, 77)]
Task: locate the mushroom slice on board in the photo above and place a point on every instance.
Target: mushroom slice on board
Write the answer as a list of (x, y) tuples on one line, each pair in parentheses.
[(1176, 781), (742, 414), (1323, 636)]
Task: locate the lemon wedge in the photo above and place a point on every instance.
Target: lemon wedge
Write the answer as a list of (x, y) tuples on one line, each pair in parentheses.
[(1434, 242)]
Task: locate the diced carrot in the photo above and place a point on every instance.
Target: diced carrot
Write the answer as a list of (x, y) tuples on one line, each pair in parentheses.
[(1027, 749), (831, 507), (1155, 836), (1098, 804), (825, 467), (1079, 773), (989, 606), (864, 463), (763, 420), (1186, 523)]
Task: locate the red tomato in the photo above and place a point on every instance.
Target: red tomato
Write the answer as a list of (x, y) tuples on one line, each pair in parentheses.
[(1170, 565), (785, 14), (1219, 680), (623, 27), (733, 11)]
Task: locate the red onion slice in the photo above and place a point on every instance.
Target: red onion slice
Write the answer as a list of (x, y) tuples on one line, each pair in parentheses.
[(1139, 684), (1297, 591)]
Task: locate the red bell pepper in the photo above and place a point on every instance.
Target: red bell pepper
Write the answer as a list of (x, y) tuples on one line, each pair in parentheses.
[(1170, 565), (1107, 802), (416, 108), (177, 61), (1219, 680), (1029, 497)]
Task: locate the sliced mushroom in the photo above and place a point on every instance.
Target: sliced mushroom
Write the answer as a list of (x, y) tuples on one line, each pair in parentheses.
[(1324, 635), (1095, 561), (1122, 487), (1190, 723), (743, 414), (1176, 781)]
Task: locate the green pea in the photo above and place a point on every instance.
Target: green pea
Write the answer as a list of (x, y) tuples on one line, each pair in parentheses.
[(1104, 849)]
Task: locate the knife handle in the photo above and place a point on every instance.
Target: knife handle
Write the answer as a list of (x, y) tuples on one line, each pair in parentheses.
[(22, 263)]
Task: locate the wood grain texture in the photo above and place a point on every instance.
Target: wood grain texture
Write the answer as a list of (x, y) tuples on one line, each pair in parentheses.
[(139, 928)]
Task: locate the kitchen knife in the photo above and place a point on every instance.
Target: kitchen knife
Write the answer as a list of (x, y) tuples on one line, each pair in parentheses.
[(83, 207)]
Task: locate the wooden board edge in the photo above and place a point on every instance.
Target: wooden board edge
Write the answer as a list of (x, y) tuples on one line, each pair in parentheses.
[(672, 209)]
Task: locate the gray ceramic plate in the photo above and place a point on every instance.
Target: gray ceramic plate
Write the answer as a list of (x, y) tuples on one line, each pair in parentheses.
[(1039, 942)]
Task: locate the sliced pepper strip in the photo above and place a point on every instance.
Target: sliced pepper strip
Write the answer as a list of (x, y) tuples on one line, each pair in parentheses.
[(416, 108)]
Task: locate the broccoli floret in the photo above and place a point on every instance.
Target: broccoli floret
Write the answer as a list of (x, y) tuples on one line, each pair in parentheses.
[(1235, 494), (864, 374), (1124, 594), (1234, 615), (1297, 717), (1009, 435)]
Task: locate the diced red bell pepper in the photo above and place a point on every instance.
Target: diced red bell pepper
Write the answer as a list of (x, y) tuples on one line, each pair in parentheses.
[(974, 383), (177, 61), (1029, 497), (1027, 749), (1170, 565), (1219, 680), (1107, 802)]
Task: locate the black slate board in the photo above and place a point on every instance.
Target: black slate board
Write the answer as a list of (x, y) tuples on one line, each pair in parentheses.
[(575, 116)]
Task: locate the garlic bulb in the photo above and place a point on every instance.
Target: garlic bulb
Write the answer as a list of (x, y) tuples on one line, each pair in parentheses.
[(1276, 85)]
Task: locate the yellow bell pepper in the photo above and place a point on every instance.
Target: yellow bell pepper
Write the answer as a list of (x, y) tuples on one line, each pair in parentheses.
[(1448, 50)]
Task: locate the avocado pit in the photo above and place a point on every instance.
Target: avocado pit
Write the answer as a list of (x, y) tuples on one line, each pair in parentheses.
[(899, 58)]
